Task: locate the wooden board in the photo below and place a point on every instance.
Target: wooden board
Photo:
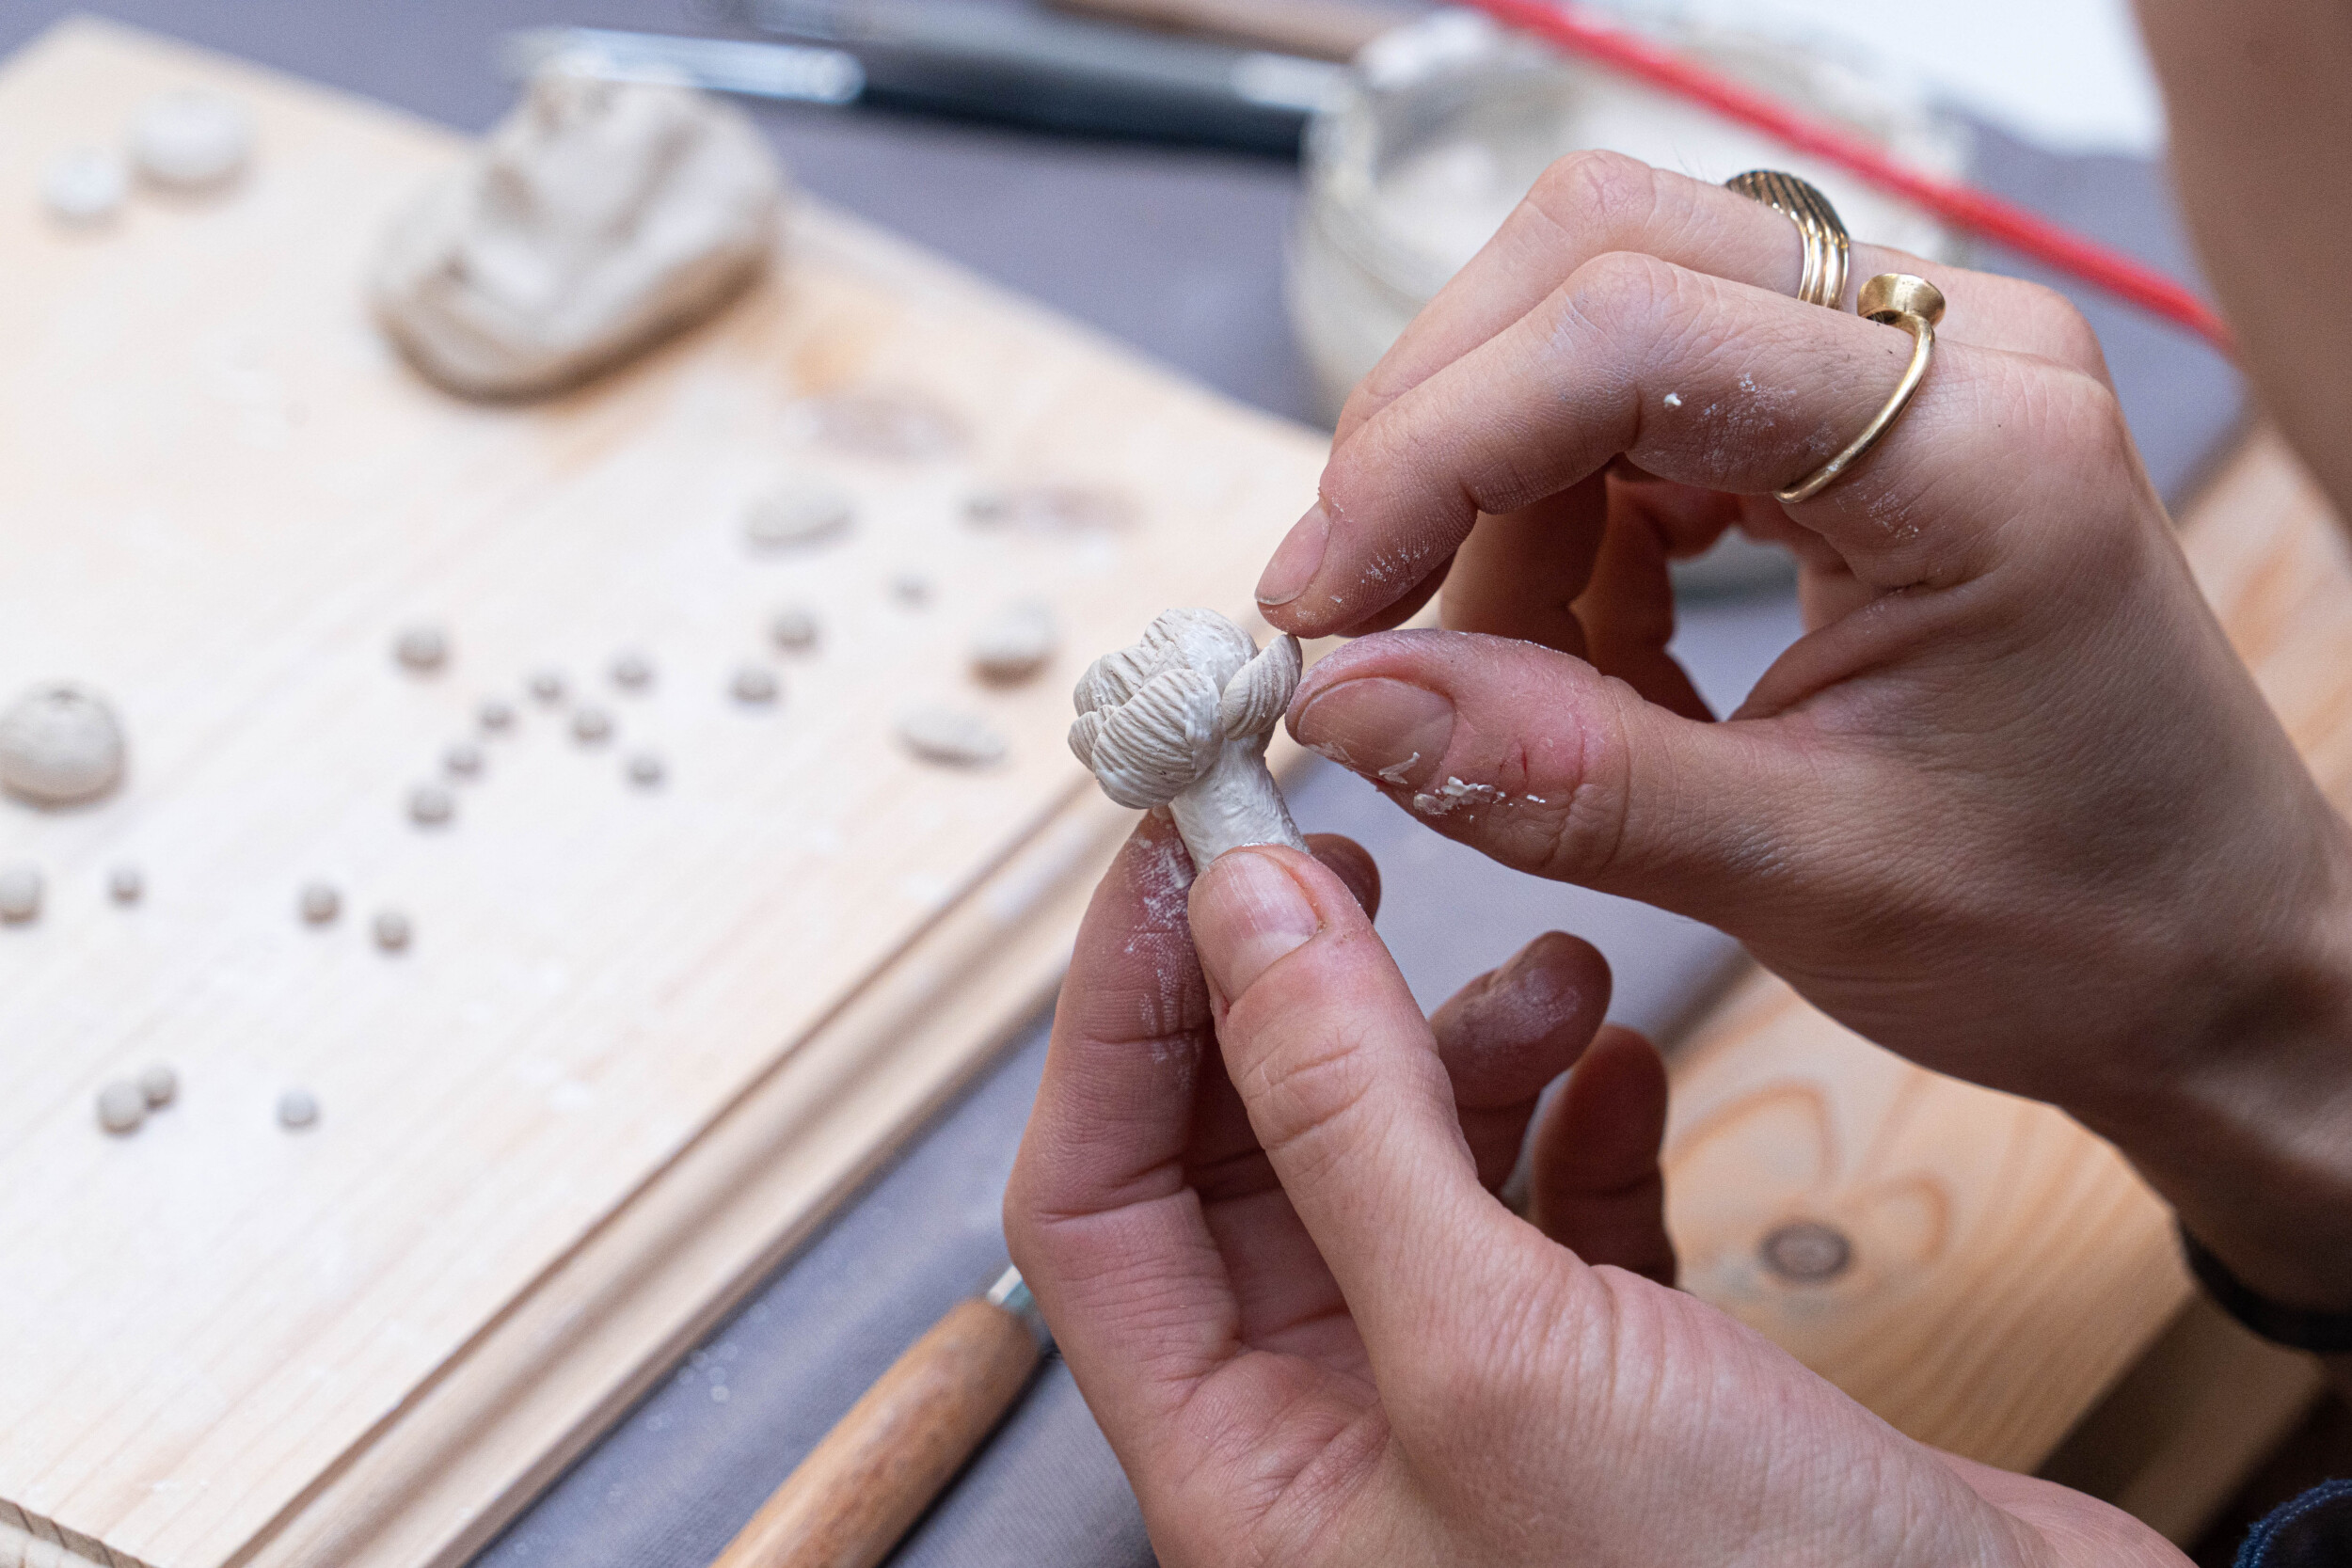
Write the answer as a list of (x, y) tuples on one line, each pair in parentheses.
[(407, 1321), (226, 497), (2008, 1268)]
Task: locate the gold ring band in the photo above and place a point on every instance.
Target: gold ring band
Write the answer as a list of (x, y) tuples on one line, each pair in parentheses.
[(1823, 280), (1892, 299)]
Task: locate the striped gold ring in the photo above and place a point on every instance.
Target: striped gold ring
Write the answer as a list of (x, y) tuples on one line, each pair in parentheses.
[(1824, 281)]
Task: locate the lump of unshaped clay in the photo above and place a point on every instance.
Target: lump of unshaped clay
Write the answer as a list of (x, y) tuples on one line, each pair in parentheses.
[(20, 894), (191, 140), (793, 628), (1015, 643), (84, 185), (297, 1109), (598, 217), (121, 1107), (952, 736), (61, 744), (800, 513)]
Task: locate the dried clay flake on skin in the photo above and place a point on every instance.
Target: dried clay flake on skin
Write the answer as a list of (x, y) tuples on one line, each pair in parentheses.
[(191, 140), (598, 218)]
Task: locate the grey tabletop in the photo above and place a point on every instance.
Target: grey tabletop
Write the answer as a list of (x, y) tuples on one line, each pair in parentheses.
[(1178, 253)]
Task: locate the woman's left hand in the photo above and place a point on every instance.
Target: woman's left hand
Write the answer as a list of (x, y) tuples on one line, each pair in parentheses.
[(1313, 1334)]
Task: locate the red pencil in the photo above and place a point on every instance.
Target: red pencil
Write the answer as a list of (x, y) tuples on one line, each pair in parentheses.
[(1964, 206)]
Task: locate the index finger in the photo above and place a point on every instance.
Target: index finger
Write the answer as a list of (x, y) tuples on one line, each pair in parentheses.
[(1589, 204)]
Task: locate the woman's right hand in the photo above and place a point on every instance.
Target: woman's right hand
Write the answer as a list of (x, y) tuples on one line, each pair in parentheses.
[(2011, 806)]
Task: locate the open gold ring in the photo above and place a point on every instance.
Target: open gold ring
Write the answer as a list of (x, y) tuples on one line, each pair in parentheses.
[(1892, 299), (1823, 280)]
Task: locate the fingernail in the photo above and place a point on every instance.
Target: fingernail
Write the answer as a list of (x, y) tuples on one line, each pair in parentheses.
[(1298, 559), (1248, 913), (1387, 730)]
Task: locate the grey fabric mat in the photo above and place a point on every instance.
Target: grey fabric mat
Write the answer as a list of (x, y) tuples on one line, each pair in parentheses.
[(1179, 254)]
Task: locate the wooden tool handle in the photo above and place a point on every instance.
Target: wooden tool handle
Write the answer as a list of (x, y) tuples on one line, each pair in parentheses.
[(881, 1464)]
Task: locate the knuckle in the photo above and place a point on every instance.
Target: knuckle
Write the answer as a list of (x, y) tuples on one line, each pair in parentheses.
[(1594, 191), (1622, 288), (2061, 332)]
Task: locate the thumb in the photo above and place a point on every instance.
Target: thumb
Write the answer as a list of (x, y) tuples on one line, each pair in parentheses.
[(1539, 761), (1345, 1091)]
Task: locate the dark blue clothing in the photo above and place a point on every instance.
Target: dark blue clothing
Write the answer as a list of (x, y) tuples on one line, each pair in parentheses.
[(2313, 1530)]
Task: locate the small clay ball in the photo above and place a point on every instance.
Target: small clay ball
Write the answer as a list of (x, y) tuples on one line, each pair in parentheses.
[(392, 930), (496, 715), (547, 687), (121, 1107), (462, 760), (591, 726), (297, 1108), (319, 903), (61, 744), (911, 588), (191, 140), (798, 514), (430, 805), (1015, 644), (421, 648), (793, 628), (84, 185), (646, 769), (20, 894), (159, 1086), (951, 735), (632, 671), (753, 683), (124, 884), (892, 424)]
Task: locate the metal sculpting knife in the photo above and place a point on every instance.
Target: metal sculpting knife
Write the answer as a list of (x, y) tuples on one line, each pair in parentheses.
[(974, 61), (859, 1490)]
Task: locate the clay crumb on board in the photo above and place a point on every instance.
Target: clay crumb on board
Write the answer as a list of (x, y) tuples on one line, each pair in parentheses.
[(646, 770), (159, 1085), (126, 885), (886, 424), (297, 1109), (800, 513), (793, 628), (61, 744), (85, 185), (319, 903), (631, 670), (392, 930), (121, 1107), (20, 894), (547, 687), (496, 715), (911, 588), (191, 140), (462, 760), (431, 805), (591, 726), (1015, 644), (421, 648), (1050, 509), (753, 684), (952, 736)]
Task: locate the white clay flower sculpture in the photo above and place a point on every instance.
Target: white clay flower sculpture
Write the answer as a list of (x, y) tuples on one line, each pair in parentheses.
[(1182, 719)]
